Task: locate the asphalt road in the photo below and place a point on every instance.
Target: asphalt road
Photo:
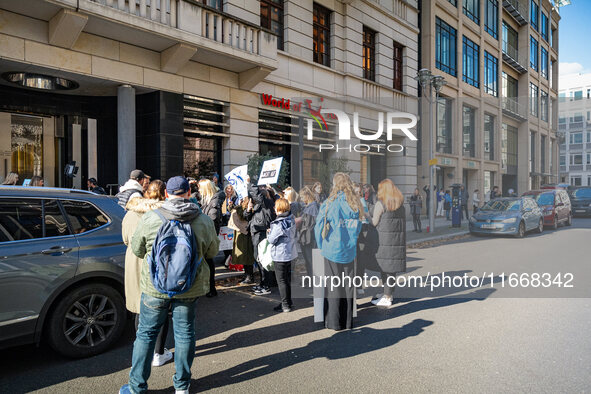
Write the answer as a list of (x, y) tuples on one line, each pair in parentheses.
[(466, 339)]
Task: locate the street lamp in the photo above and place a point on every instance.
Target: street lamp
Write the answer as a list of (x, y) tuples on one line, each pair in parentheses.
[(429, 81)]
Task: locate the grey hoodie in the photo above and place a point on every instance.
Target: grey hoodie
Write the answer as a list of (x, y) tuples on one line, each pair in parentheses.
[(180, 209)]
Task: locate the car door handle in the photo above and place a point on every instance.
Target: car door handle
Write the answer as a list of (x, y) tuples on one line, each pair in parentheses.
[(56, 250)]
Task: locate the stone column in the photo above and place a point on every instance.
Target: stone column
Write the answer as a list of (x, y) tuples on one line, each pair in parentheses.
[(125, 132)]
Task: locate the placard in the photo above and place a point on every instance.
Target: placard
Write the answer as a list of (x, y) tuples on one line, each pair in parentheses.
[(270, 171), (226, 237), (237, 178)]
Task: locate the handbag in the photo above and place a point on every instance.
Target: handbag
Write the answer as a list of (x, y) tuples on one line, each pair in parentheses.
[(265, 258)]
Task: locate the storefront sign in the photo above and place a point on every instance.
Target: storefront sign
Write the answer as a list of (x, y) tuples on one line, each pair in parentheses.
[(270, 171)]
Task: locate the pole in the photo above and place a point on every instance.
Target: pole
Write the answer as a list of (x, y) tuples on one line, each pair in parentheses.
[(431, 213), (301, 152)]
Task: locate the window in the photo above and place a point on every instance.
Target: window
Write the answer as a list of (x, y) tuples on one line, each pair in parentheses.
[(533, 93), (509, 86), (544, 106), (589, 159), (20, 219), (510, 41), (533, 53), (472, 10), (576, 138), (491, 74), (369, 54), (445, 47), (576, 159), (489, 137), (575, 181), (54, 222), (562, 160), (83, 216), (532, 151), (397, 65), (444, 125), (509, 149), (272, 18), (468, 115), (534, 12), (321, 35), (471, 64), (491, 18), (543, 154), (453, 2), (217, 4), (275, 137), (544, 25), (589, 137), (578, 95), (544, 63)]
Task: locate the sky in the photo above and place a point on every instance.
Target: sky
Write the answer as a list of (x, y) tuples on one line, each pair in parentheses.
[(574, 35)]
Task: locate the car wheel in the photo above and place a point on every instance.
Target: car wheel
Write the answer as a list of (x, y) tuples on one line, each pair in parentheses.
[(569, 220), (521, 230), (540, 228), (87, 321), (555, 223)]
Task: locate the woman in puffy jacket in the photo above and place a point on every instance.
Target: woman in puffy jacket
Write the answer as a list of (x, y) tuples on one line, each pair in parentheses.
[(337, 228), (211, 205), (306, 223), (282, 238)]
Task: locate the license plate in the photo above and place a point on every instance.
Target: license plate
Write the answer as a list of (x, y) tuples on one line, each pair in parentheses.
[(488, 226), (580, 211)]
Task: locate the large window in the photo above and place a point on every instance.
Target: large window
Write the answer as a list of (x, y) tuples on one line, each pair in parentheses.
[(510, 41), (26, 146), (576, 138), (489, 137), (576, 159), (272, 18), (544, 26), (509, 148), (469, 122), (217, 4), (491, 74), (444, 125), (534, 14), (472, 10), (542, 154), (471, 64), (491, 18), (532, 151), (544, 106), (544, 63), (533, 53), (321, 35), (275, 135), (533, 94), (397, 65), (445, 47), (369, 54)]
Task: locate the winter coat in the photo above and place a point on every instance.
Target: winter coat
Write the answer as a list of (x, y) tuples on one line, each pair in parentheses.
[(213, 209), (340, 243), (308, 221), (131, 189), (391, 231), (464, 197), (227, 206), (136, 207), (207, 244), (242, 248), (416, 204), (282, 237), (98, 190), (263, 212)]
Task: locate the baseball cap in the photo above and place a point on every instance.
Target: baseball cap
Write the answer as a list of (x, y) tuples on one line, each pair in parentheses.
[(177, 185), (137, 174)]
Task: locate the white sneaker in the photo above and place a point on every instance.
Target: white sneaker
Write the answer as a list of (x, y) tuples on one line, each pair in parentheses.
[(161, 359), (181, 391), (382, 301), (379, 295)]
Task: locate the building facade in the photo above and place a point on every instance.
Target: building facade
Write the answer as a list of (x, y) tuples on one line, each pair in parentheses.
[(495, 121), (574, 125), (195, 87)]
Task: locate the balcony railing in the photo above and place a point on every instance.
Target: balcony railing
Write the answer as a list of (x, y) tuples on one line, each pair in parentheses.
[(512, 107), (518, 10), (512, 57), (573, 126)]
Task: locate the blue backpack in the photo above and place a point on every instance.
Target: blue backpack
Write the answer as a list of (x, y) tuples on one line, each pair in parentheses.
[(174, 260)]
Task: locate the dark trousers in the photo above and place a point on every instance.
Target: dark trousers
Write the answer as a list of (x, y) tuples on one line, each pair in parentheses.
[(388, 290), (447, 213), (338, 301), (249, 271), (307, 254), (474, 209), (283, 275), (464, 209), (416, 221), (211, 265), (161, 339)]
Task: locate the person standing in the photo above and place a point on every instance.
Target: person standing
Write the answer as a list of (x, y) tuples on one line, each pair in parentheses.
[(37, 181), (215, 178), (475, 202), (306, 223), (337, 228), (211, 205), (230, 201), (494, 193), (242, 250), (134, 187), (416, 205), (447, 204), (464, 203), (11, 179), (282, 238), (440, 202), (92, 185), (389, 218), (154, 304), (317, 189), (427, 199)]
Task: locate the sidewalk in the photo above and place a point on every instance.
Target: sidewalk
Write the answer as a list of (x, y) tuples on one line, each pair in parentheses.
[(443, 230)]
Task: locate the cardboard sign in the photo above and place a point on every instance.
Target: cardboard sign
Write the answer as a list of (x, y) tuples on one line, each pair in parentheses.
[(226, 237), (237, 178), (270, 171)]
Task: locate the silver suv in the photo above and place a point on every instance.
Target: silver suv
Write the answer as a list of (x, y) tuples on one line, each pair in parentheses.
[(61, 269)]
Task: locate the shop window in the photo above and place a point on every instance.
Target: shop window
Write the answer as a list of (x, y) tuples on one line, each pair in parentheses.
[(26, 146)]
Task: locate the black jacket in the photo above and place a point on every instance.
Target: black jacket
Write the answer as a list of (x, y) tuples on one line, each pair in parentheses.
[(306, 233), (391, 254), (263, 213), (214, 209)]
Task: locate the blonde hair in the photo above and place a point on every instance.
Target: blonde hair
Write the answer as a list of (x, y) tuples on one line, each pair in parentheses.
[(290, 194), (11, 179), (207, 189), (281, 205), (306, 195), (156, 190), (342, 183), (390, 195)]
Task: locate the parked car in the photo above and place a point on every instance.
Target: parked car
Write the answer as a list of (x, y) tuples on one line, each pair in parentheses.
[(580, 198), (562, 186), (61, 269), (555, 205), (508, 215)]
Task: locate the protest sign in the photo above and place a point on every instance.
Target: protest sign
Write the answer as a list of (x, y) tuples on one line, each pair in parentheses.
[(270, 171), (237, 178), (226, 238)]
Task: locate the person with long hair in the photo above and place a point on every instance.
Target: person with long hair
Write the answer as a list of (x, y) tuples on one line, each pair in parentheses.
[(306, 223), (318, 191), (136, 207), (37, 181), (242, 249), (211, 204), (389, 218), (337, 228), (292, 196), (11, 179)]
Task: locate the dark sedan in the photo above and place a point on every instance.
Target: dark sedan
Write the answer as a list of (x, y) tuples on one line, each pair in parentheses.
[(581, 201)]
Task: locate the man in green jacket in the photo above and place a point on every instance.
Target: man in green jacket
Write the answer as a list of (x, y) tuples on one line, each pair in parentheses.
[(155, 305)]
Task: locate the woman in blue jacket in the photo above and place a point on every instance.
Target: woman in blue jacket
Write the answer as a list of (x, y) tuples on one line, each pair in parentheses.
[(337, 228)]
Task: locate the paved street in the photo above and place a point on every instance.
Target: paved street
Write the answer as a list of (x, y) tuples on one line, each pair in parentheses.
[(462, 340)]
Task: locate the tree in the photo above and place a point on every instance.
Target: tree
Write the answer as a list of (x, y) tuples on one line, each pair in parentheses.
[(255, 163)]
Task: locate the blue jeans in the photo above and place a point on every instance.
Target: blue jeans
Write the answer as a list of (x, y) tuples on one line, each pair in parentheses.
[(153, 313)]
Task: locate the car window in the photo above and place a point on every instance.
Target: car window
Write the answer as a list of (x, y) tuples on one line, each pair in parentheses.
[(20, 219), (83, 216), (546, 198), (55, 224), (501, 205), (582, 193)]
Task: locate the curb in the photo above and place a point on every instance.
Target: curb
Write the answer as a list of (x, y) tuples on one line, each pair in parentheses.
[(437, 238)]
